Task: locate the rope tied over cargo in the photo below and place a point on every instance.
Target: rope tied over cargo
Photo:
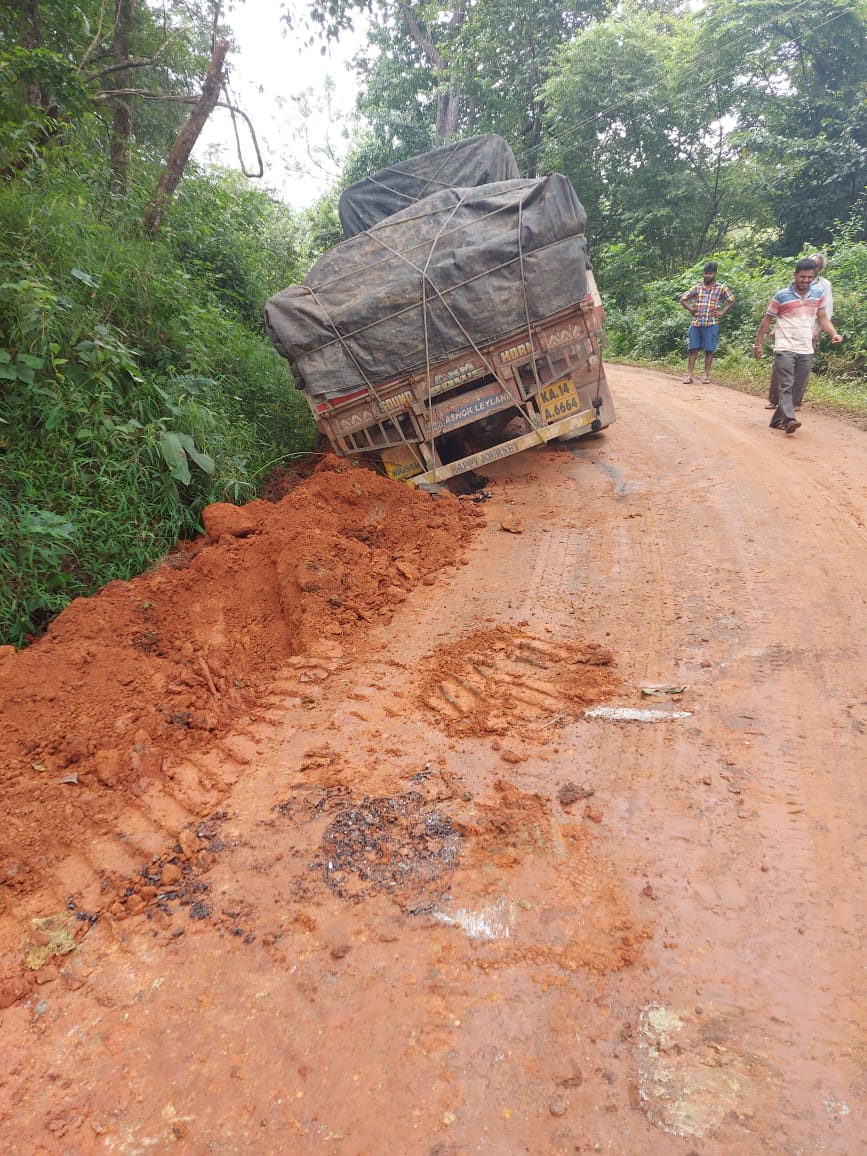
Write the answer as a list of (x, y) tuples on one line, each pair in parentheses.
[(381, 409), (457, 308), (522, 407), (424, 189)]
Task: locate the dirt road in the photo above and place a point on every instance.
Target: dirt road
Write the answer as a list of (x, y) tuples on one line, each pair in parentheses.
[(561, 849)]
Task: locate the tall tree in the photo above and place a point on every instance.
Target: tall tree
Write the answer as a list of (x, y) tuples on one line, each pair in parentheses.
[(426, 28), (442, 71), (171, 175), (505, 52), (121, 129), (63, 65), (641, 127), (421, 26), (799, 75)]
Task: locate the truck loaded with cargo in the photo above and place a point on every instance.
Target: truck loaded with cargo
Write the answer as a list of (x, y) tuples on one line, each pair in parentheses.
[(457, 323)]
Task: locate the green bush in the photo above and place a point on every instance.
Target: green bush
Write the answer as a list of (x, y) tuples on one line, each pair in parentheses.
[(236, 240), (134, 389)]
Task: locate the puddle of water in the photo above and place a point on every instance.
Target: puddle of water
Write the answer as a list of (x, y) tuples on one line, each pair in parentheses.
[(634, 714), (493, 922)]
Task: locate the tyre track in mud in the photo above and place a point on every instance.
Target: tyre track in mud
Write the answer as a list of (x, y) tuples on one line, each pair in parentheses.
[(559, 948), (765, 753)]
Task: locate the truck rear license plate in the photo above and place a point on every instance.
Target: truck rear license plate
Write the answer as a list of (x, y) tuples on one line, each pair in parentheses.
[(558, 400)]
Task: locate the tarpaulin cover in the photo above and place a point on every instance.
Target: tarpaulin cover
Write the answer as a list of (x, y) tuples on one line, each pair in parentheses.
[(479, 160), (462, 268)]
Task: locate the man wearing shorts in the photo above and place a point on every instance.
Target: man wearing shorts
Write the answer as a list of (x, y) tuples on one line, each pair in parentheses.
[(708, 302), (792, 312)]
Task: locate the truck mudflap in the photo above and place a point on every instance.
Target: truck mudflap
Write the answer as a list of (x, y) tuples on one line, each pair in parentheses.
[(561, 429)]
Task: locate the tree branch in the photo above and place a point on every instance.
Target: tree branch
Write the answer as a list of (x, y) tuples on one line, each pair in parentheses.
[(130, 64), (97, 37), (421, 38), (187, 137)]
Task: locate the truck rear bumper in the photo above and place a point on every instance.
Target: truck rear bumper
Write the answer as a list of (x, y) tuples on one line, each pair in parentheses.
[(579, 423)]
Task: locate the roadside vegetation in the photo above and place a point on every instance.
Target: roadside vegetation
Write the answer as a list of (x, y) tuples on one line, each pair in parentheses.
[(137, 383), (645, 324)]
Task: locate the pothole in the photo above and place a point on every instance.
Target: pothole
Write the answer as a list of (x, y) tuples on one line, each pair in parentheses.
[(388, 844)]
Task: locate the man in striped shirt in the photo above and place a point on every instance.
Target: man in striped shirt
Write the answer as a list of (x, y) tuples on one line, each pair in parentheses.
[(825, 285), (708, 302), (792, 312)]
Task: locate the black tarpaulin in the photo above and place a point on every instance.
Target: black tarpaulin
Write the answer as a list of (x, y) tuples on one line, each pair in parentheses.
[(479, 160), (460, 269)]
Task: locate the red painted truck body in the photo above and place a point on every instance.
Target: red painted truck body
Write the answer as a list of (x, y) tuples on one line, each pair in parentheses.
[(457, 323)]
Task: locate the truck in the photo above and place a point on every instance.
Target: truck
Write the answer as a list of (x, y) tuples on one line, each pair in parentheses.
[(456, 324)]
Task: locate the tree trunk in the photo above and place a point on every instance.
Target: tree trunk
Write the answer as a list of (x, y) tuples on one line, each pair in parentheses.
[(121, 129), (187, 137), (533, 136), (449, 96), (448, 113), (30, 38)]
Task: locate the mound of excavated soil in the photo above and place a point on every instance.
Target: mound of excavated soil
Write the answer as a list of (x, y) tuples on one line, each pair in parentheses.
[(170, 660)]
